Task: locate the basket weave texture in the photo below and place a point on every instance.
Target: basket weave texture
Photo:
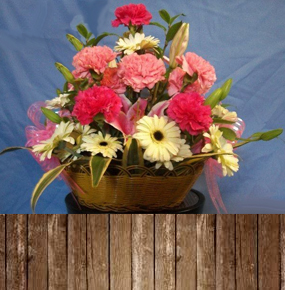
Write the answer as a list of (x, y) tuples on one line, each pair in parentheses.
[(133, 188)]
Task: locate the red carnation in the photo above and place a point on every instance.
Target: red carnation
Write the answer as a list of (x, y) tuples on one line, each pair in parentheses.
[(96, 100), (189, 111), (136, 14)]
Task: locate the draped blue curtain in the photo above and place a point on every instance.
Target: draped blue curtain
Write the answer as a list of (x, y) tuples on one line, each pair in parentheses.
[(244, 40)]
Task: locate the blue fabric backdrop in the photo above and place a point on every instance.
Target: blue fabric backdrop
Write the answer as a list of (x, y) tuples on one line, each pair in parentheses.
[(244, 40)]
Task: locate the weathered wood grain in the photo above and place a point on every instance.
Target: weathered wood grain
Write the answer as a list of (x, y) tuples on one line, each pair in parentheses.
[(246, 252), (225, 252), (57, 247), (98, 251), (186, 252), (282, 250), (120, 252), (2, 251), (76, 244), (268, 252), (16, 252), (37, 252), (206, 252), (143, 251), (165, 251)]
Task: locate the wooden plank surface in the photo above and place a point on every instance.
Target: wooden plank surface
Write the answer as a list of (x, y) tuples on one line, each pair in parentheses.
[(143, 251), (246, 252), (98, 251), (120, 252), (16, 252), (76, 245), (186, 252), (165, 251), (2, 251), (225, 252), (57, 247), (206, 278), (37, 252), (268, 252)]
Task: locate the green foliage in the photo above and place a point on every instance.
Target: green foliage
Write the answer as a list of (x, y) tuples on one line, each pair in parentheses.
[(165, 16), (51, 115), (46, 179), (75, 42), (158, 25), (10, 149), (228, 133), (83, 30), (103, 35), (65, 72), (172, 31), (132, 153), (98, 166)]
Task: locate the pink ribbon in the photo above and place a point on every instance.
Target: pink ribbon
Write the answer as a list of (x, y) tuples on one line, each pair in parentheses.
[(213, 170), (40, 132)]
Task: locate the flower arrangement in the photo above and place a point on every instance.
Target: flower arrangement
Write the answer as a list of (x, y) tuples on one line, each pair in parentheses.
[(139, 103)]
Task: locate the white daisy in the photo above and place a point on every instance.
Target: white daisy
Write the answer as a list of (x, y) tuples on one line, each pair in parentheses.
[(58, 102), (218, 144), (184, 152), (137, 42), (97, 143), (61, 133), (224, 113), (229, 162), (159, 137)]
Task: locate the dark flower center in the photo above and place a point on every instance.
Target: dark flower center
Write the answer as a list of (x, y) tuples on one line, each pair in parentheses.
[(103, 143), (158, 136)]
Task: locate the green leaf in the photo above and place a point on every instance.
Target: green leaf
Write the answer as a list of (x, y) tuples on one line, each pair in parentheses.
[(132, 153), (65, 72), (58, 92), (174, 17), (228, 133), (91, 42), (214, 98), (269, 135), (226, 87), (221, 121), (51, 115), (226, 105), (75, 42), (82, 30), (158, 25), (65, 87), (100, 37), (10, 149), (98, 166), (46, 179), (173, 30), (164, 15)]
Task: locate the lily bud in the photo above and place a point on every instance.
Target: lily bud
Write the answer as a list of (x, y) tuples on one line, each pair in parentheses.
[(179, 44)]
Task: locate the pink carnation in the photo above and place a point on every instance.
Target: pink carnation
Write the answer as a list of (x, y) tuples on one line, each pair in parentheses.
[(175, 81), (136, 14), (112, 80), (96, 100), (189, 111), (92, 58), (141, 71), (192, 63)]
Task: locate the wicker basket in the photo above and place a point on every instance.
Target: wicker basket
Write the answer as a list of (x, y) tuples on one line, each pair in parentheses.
[(133, 188)]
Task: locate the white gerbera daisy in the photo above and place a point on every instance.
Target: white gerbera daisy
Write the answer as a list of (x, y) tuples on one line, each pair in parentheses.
[(224, 113), (229, 162), (58, 102), (61, 133), (218, 144), (184, 152), (97, 143), (137, 42), (216, 139), (159, 137), (84, 130)]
